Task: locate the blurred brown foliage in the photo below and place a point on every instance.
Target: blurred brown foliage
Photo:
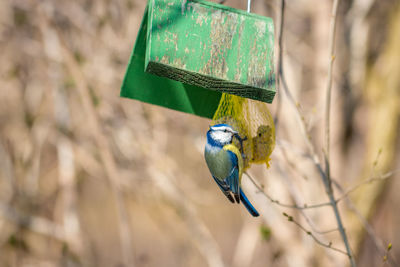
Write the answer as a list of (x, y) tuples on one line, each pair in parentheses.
[(90, 179)]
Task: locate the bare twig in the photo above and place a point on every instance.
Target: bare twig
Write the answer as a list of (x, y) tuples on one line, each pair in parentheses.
[(368, 181), (319, 242), (367, 226), (385, 257), (323, 204), (303, 123), (326, 178), (283, 85), (291, 164), (325, 175), (279, 64), (303, 207), (329, 82)]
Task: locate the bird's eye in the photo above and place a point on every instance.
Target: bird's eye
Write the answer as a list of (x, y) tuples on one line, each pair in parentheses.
[(225, 130)]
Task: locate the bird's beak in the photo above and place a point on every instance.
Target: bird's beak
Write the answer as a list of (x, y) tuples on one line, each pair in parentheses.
[(239, 137)]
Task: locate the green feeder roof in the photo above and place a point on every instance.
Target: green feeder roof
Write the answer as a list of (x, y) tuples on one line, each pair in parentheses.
[(188, 52)]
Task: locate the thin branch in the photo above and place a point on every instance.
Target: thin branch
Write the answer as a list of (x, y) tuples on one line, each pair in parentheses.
[(319, 242), (297, 199), (291, 164), (301, 118), (323, 204), (367, 226), (326, 177), (329, 82), (305, 206), (301, 208), (279, 64), (368, 181), (385, 257)]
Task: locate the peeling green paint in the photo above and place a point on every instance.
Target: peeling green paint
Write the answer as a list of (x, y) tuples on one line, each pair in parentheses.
[(194, 44), (219, 48)]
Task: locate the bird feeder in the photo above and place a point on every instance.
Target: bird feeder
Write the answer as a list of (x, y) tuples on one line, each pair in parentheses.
[(188, 52)]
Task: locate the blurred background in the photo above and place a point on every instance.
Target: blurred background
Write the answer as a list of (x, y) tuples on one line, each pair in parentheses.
[(90, 179)]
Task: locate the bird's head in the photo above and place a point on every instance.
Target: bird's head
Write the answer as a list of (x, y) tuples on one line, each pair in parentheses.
[(221, 134)]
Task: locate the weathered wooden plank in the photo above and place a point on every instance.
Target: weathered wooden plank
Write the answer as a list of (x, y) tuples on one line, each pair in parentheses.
[(211, 46)]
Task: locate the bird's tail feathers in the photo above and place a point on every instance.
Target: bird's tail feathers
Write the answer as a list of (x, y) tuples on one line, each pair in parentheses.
[(248, 205)]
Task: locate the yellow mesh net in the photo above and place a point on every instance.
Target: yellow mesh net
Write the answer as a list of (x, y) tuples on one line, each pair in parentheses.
[(254, 123)]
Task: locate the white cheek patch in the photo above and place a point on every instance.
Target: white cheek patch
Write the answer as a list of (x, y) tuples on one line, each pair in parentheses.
[(222, 137)]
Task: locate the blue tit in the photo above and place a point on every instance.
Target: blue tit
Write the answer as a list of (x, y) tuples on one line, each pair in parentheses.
[(225, 163)]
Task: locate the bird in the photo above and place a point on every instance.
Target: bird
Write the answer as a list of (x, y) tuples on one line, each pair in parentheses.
[(225, 163)]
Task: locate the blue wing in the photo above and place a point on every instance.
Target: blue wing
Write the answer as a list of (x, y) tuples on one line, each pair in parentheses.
[(232, 182), (233, 179)]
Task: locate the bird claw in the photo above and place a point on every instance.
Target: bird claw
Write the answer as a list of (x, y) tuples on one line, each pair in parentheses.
[(241, 144)]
